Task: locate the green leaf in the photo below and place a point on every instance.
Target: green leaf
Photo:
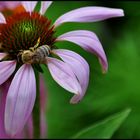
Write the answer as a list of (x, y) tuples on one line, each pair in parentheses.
[(106, 128)]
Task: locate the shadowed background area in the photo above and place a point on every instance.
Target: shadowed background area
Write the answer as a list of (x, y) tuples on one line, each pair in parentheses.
[(107, 93)]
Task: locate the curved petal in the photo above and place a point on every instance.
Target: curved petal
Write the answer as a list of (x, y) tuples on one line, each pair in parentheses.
[(2, 19), (44, 6), (80, 68), (3, 93), (6, 70), (20, 100), (89, 14), (29, 5), (88, 41), (63, 75), (2, 55)]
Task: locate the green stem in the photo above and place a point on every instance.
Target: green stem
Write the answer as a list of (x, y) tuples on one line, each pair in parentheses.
[(36, 110)]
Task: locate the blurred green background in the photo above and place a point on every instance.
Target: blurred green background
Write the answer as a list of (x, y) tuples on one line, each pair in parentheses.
[(107, 93)]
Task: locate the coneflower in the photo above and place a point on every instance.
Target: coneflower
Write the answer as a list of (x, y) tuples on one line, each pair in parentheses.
[(27, 40)]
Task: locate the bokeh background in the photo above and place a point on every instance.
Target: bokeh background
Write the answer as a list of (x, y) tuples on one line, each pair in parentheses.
[(107, 93)]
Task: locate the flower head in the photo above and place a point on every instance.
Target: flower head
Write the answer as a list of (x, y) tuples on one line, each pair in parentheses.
[(27, 40)]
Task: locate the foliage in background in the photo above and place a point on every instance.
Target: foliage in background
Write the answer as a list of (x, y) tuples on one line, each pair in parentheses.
[(104, 129)]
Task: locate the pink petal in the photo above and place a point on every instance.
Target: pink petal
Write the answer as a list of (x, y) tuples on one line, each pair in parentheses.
[(2, 55), (43, 93), (2, 19), (29, 5), (29, 126), (6, 70), (4, 89), (20, 100), (88, 41), (3, 94), (44, 6), (89, 14), (63, 75), (43, 125), (43, 101), (9, 4), (80, 68)]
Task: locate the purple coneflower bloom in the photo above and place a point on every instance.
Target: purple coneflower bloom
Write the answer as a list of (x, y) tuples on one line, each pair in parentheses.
[(21, 33)]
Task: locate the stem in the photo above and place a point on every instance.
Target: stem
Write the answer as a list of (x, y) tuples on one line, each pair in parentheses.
[(36, 110)]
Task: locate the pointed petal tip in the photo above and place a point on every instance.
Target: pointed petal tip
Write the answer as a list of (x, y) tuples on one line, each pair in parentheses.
[(29, 5), (123, 14), (2, 19), (104, 71), (104, 68), (44, 6), (120, 12), (104, 65), (63, 75), (76, 99)]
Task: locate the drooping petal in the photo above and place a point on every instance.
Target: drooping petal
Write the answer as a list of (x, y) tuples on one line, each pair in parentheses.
[(89, 14), (2, 19), (43, 125), (43, 102), (29, 5), (63, 75), (6, 70), (80, 68), (88, 41), (20, 100), (44, 6), (43, 93)]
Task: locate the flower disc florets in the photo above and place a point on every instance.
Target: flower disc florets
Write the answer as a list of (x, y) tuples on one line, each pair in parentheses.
[(22, 31)]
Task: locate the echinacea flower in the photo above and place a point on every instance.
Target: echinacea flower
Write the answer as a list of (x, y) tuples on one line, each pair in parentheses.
[(27, 40)]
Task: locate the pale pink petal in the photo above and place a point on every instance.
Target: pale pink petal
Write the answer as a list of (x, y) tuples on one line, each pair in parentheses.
[(44, 6), (9, 4), (20, 100), (89, 14), (63, 75), (80, 68), (88, 41), (6, 70), (2, 55), (3, 93), (29, 5), (2, 19)]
